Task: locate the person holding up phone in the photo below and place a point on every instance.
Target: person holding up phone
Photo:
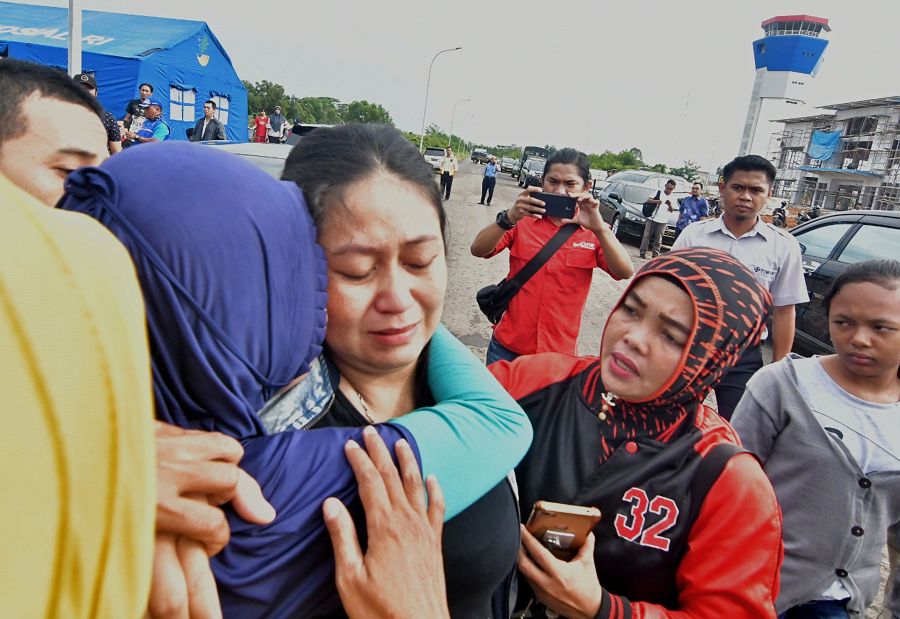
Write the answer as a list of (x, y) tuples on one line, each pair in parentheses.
[(545, 315), (690, 526)]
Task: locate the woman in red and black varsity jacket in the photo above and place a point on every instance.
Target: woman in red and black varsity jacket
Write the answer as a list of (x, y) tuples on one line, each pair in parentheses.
[(691, 527)]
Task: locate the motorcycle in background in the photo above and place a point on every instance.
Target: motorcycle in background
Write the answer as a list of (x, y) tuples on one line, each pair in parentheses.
[(779, 216)]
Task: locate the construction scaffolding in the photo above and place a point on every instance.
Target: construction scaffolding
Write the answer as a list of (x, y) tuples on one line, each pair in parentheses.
[(863, 172)]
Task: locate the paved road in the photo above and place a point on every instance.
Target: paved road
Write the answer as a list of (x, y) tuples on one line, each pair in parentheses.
[(467, 274)]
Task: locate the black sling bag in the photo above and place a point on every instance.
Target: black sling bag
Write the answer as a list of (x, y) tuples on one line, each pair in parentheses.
[(494, 299)]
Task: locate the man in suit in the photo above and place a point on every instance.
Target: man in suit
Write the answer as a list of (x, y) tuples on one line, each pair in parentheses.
[(208, 128)]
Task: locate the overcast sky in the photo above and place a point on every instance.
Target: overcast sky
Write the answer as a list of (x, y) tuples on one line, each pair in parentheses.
[(672, 78)]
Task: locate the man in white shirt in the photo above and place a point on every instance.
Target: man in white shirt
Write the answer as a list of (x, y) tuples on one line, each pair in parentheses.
[(656, 223), (773, 255), (449, 166)]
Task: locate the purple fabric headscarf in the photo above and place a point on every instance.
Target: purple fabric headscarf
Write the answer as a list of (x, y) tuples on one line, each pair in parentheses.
[(233, 280)]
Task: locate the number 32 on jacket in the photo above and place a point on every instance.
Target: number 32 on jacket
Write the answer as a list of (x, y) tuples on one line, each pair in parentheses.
[(636, 528)]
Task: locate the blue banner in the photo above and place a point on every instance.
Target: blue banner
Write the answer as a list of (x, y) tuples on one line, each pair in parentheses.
[(823, 144)]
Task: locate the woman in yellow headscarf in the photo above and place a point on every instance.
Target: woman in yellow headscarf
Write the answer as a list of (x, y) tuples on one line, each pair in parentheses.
[(77, 472)]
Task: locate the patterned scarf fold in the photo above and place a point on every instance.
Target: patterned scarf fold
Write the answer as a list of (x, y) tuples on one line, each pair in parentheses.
[(730, 310)]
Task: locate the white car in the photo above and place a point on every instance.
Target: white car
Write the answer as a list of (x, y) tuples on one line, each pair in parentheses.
[(434, 156), (267, 157)]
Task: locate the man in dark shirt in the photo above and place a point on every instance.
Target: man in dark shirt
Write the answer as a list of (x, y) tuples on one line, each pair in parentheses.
[(208, 127), (113, 135)]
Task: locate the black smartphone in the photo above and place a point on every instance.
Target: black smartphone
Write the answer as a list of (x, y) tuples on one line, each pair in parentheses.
[(556, 205)]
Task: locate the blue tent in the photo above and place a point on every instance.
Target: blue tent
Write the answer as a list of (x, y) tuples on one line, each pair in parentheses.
[(182, 59)]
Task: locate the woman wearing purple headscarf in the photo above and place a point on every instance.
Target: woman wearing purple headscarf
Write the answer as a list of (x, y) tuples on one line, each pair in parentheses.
[(235, 289)]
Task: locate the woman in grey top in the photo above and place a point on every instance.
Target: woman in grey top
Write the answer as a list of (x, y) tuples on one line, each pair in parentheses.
[(827, 430)]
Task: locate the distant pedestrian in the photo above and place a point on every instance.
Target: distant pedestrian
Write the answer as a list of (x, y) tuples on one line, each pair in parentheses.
[(278, 125), (134, 111), (489, 180), (693, 208), (208, 127), (113, 134), (656, 223), (449, 166), (260, 126)]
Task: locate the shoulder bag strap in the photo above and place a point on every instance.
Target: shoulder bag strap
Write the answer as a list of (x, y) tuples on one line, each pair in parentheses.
[(542, 256)]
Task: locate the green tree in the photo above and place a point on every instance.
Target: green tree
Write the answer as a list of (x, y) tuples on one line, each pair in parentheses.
[(688, 171), (365, 112), (264, 96), (659, 167), (319, 110)]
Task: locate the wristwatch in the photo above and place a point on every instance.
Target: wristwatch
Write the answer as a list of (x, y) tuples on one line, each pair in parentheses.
[(504, 221)]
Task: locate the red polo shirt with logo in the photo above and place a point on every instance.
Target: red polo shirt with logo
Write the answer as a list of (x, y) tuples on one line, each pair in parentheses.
[(545, 315)]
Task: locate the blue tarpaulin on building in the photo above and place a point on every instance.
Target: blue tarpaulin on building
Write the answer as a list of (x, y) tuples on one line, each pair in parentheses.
[(823, 144), (181, 59)]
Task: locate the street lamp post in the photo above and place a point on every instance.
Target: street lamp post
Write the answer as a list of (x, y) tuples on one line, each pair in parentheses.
[(427, 85), (452, 116), (74, 45)]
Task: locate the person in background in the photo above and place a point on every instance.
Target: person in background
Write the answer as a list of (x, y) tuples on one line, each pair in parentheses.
[(769, 252), (154, 127), (113, 134), (134, 111), (693, 208), (545, 315), (449, 167), (690, 526), (827, 431), (278, 126), (489, 180), (260, 127), (208, 127), (49, 125), (656, 224)]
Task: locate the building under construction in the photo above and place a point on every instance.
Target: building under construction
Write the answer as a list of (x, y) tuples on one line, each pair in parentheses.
[(847, 157)]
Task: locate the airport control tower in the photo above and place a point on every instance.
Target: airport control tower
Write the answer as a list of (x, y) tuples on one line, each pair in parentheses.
[(787, 57)]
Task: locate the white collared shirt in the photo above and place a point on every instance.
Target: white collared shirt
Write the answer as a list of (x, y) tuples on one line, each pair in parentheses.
[(662, 212), (772, 255)]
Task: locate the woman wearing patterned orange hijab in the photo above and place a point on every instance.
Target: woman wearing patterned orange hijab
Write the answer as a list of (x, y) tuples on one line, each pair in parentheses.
[(690, 524)]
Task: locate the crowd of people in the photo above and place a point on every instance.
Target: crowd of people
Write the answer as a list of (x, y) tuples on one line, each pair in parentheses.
[(231, 395)]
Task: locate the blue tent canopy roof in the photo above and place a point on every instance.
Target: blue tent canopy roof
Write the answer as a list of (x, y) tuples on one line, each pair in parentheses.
[(110, 34), (181, 59)]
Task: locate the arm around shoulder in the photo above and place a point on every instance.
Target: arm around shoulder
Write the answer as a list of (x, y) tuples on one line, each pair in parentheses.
[(475, 434)]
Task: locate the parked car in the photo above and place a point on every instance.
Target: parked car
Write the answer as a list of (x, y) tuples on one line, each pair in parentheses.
[(829, 244), (479, 155), (597, 187), (508, 164), (267, 157), (532, 172), (621, 202), (434, 156)]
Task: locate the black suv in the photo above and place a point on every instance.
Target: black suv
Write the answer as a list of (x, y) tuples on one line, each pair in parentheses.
[(479, 155), (830, 243)]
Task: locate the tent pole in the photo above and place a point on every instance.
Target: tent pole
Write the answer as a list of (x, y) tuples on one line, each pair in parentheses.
[(74, 37)]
